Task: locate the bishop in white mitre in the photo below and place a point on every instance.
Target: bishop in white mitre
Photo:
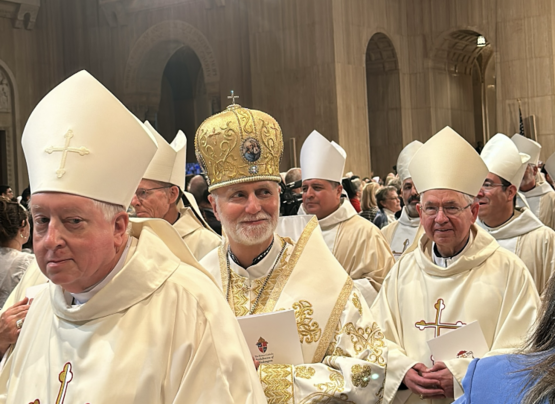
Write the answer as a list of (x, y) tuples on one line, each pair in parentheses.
[(126, 317), (516, 229), (403, 234), (538, 194), (458, 274), (261, 271), (159, 195), (357, 244)]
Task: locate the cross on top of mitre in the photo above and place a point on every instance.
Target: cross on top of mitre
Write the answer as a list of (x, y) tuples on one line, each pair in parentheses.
[(232, 97), (82, 151)]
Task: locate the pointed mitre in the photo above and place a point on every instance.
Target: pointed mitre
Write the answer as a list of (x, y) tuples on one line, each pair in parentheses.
[(405, 158), (447, 161), (529, 147), (503, 159), (168, 164), (322, 159), (81, 140), (550, 166), (239, 145)]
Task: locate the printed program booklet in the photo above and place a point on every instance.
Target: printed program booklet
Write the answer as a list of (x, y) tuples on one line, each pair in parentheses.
[(273, 337)]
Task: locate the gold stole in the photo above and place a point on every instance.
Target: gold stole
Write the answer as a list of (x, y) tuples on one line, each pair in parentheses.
[(309, 280)]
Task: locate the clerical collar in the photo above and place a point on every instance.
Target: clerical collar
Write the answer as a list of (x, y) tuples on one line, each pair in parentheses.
[(88, 294), (256, 259), (446, 261)]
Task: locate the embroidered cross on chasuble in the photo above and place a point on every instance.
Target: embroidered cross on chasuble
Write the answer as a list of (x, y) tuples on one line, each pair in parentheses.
[(437, 324), (82, 151)]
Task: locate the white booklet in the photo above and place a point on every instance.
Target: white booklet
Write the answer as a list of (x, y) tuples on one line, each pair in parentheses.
[(465, 342), (273, 337)]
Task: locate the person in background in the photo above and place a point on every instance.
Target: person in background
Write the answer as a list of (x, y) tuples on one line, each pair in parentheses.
[(6, 192), (368, 203), (389, 204), (199, 189)]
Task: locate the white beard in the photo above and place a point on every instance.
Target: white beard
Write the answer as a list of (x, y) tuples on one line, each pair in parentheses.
[(249, 235)]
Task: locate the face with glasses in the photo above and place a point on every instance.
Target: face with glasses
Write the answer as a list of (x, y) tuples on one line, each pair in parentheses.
[(447, 217), (495, 201), (154, 199), (392, 202)]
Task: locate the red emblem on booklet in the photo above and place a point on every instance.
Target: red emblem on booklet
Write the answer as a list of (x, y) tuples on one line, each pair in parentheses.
[(262, 345)]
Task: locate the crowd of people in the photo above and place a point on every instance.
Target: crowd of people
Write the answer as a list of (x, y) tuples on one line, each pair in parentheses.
[(137, 273)]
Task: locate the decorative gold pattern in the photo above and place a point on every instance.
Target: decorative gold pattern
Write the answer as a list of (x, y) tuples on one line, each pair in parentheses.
[(370, 338), (277, 382), (328, 391), (333, 320), (304, 372), (224, 147), (340, 352), (356, 302), (309, 330), (360, 375)]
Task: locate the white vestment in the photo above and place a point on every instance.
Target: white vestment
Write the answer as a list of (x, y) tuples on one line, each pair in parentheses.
[(531, 240), (541, 200), (420, 301), (402, 234), (158, 332), (344, 356), (359, 246), (199, 238)]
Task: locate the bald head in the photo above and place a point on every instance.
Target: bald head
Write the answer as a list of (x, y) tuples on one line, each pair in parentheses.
[(199, 188)]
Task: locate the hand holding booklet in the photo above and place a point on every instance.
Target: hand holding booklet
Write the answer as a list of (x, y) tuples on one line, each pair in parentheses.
[(273, 337)]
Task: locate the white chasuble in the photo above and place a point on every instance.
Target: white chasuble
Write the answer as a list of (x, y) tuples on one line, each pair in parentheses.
[(343, 349), (420, 301), (199, 238), (359, 246), (158, 332), (541, 200), (403, 234), (534, 243)]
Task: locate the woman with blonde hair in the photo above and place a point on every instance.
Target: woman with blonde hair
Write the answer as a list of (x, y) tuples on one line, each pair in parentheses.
[(368, 201)]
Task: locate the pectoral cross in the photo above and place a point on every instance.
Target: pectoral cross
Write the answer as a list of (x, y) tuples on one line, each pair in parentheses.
[(437, 325), (65, 150), (232, 97), (65, 377)]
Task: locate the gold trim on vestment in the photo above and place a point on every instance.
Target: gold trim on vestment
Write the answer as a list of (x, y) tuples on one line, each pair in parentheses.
[(286, 273), (333, 320), (277, 383)]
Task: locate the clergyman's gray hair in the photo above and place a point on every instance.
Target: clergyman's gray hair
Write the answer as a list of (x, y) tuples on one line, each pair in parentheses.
[(468, 198)]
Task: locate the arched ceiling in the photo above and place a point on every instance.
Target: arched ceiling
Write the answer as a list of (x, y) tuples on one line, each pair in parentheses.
[(459, 51), (380, 54)]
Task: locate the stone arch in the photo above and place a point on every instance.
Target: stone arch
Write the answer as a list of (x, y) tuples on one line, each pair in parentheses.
[(383, 91), (464, 83), (149, 56), (10, 136)]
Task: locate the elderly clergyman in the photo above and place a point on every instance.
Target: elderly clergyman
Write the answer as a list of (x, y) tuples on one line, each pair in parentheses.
[(261, 271), (540, 197), (159, 195), (458, 274), (402, 233), (123, 319), (516, 229), (357, 244)]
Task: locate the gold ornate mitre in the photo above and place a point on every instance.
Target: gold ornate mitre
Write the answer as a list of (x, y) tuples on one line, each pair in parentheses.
[(239, 145)]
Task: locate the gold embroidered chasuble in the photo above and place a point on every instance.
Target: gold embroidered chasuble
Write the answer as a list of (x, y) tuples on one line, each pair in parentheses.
[(343, 350), (420, 301), (533, 242), (156, 333), (359, 246)]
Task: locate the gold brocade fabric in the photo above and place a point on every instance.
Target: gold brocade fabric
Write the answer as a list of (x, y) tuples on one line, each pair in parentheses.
[(239, 145)]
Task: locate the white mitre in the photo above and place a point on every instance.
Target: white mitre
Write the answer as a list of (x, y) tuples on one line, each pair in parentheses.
[(529, 147), (322, 159), (405, 158), (503, 159), (81, 140), (168, 164), (447, 161), (550, 166)]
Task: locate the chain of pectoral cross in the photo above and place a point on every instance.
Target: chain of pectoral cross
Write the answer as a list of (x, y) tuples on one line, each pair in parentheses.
[(437, 325), (82, 151)]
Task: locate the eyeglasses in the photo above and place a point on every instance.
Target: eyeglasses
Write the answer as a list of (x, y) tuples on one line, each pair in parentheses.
[(488, 186), (143, 193), (450, 211)]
